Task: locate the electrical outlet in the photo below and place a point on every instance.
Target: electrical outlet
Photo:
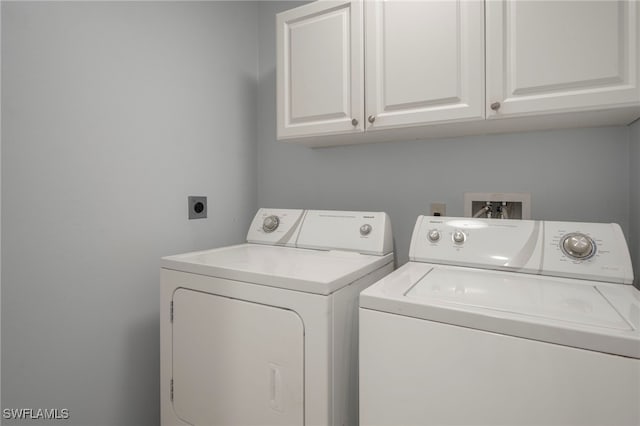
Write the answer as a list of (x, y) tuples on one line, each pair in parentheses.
[(438, 209), (498, 205), (197, 207)]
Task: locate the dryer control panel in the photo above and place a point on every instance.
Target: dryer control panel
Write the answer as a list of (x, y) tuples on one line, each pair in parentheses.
[(275, 227), (592, 251), (362, 232)]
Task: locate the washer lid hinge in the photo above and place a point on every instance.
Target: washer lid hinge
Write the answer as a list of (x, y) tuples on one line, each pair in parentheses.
[(171, 392)]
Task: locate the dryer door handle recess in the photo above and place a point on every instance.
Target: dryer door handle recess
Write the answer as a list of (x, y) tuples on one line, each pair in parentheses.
[(275, 387)]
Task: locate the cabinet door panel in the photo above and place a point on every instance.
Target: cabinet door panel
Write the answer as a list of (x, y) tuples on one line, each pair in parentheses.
[(319, 77), (556, 56), (424, 61), (320, 70)]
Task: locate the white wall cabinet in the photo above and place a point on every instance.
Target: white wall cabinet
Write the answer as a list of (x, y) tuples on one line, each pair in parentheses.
[(354, 71), (424, 62), (320, 78), (558, 56)]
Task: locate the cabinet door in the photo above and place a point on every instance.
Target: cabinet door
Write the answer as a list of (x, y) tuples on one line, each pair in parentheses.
[(424, 62), (561, 56), (320, 80)]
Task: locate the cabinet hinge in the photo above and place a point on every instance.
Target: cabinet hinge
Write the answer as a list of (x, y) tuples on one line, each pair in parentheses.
[(171, 392), (171, 311)]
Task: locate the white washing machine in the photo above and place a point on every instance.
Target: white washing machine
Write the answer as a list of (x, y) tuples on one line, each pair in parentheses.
[(265, 333), (503, 322)]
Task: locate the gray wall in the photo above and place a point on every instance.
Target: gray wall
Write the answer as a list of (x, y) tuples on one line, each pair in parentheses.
[(580, 175), (112, 113), (634, 196)]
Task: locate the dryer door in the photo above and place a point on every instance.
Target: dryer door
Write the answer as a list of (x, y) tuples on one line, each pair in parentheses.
[(236, 362)]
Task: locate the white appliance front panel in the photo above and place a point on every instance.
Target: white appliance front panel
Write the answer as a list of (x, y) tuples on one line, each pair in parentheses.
[(330, 339), (230, 354), (417, 372)]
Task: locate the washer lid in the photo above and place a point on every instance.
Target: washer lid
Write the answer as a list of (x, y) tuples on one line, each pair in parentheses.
[(585, 314), (311, 271), (521, 294)]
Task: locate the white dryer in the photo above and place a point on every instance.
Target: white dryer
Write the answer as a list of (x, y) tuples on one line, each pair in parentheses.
[(503, 322), (265, 333)]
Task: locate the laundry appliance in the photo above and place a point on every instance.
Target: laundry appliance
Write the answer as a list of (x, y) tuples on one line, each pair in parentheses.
[(503, 322), (265, 332)]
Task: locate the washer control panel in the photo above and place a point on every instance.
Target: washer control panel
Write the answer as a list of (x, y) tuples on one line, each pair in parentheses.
[(503, 244), (578, 246), (458, 236), (593, 251)]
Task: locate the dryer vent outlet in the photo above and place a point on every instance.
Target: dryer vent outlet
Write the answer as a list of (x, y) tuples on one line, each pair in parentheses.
[(197, 207)]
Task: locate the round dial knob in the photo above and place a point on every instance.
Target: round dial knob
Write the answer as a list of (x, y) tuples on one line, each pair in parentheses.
[(270, 223), (434, 235), (459, 236), (365, 229), (578, 246)]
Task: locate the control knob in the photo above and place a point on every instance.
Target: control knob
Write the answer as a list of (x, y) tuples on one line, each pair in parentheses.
[(270, 223), (459, 236), (365, 229), (434, 235), (578, 246)]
